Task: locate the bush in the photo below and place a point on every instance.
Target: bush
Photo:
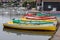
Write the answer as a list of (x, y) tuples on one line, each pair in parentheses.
[(24, 4), (0, 4), (33, 4)]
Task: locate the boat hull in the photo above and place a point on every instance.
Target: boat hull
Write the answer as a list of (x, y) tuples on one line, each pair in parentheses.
[(30, 27)]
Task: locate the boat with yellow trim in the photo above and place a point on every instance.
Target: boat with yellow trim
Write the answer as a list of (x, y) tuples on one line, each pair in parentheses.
[(34, 25), (44, 23)]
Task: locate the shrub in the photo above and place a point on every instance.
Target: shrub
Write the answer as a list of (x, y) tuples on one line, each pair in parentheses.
[(33, 4)]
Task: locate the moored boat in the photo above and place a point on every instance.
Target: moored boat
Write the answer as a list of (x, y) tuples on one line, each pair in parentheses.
[(33, 22)]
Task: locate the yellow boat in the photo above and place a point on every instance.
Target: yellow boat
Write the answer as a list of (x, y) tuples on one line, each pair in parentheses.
[(30, 26)]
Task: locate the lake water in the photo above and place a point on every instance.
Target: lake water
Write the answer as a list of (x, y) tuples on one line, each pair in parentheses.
[(14, 34)]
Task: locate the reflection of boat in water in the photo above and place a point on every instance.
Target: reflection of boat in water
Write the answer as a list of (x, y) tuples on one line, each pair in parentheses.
[(29, 32), (33, 22)]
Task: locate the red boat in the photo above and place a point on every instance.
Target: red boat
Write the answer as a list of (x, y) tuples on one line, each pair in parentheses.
[(40, 17), (34, 17)]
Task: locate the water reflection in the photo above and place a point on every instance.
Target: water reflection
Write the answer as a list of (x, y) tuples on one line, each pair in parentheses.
[(27, 34)]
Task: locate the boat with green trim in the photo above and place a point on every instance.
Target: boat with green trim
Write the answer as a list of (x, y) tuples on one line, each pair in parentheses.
[(29, 22)]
